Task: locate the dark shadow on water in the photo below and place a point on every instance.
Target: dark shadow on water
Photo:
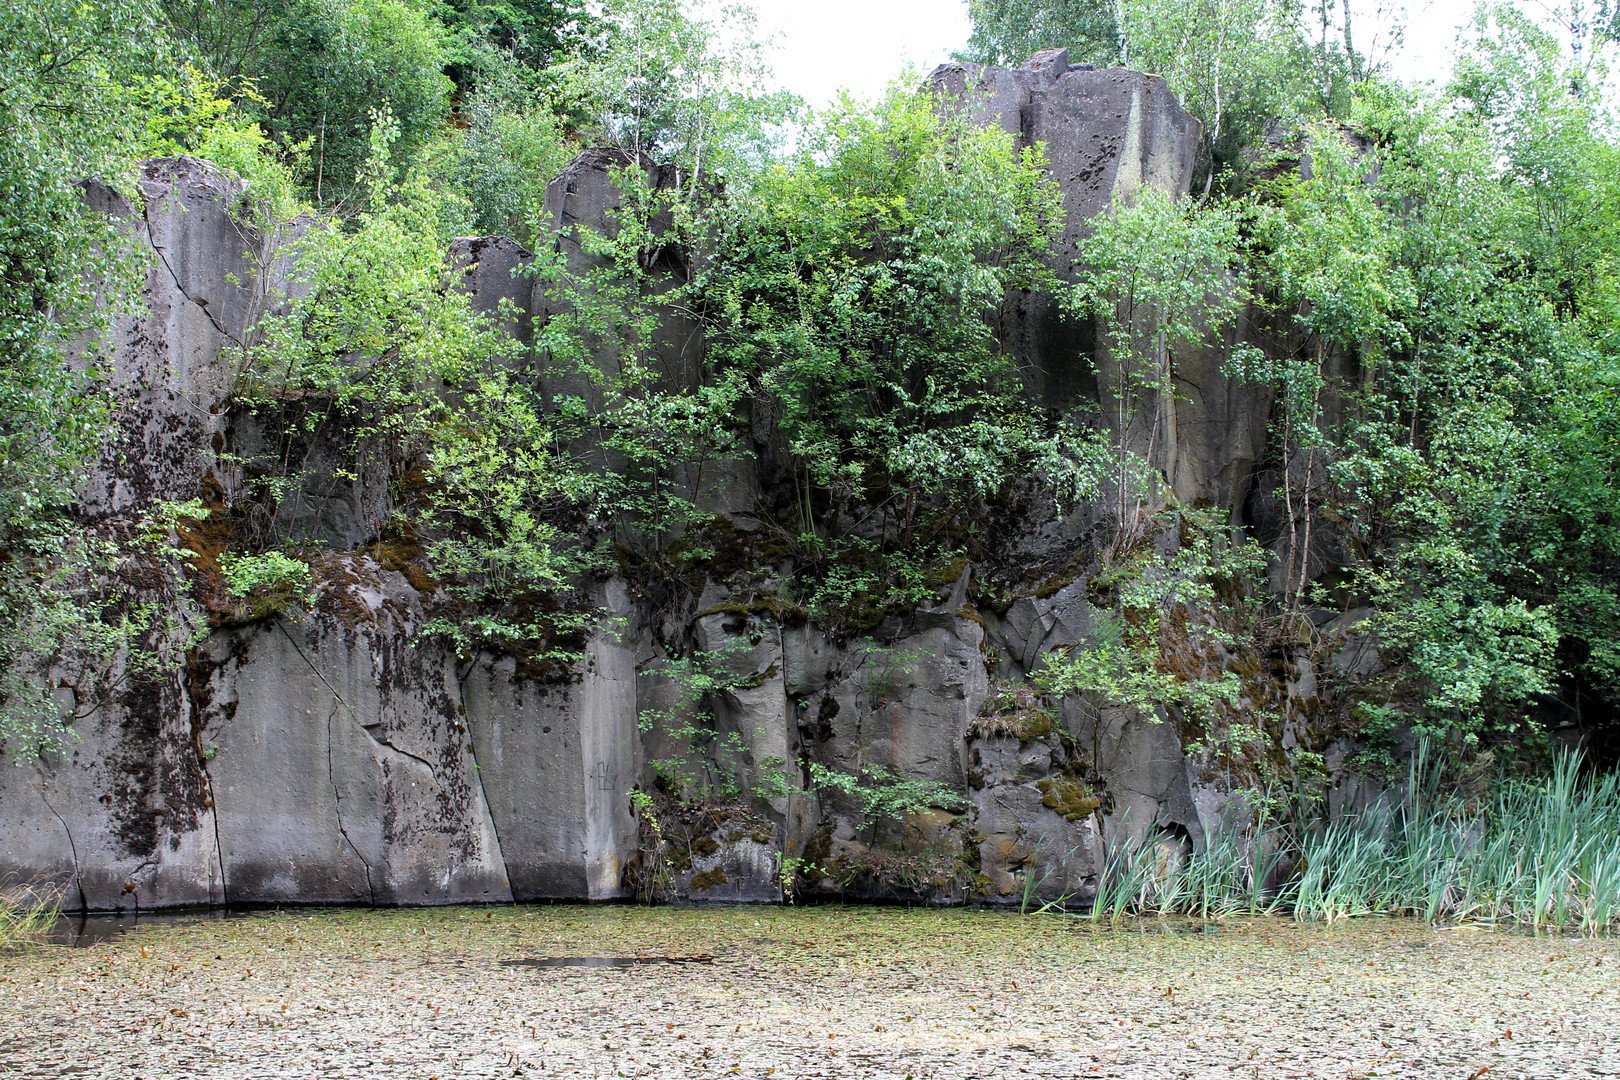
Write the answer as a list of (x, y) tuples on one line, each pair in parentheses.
[(84, 931), (604, 961)]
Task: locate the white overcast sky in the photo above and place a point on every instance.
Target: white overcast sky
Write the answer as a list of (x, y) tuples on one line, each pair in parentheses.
[(862, 45)]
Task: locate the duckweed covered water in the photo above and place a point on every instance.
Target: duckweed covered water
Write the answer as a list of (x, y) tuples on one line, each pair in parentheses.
[(824, 992)]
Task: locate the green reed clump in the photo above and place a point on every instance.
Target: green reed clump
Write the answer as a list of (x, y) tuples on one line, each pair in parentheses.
[(25, 917), (1544, 854), (1231, 874)]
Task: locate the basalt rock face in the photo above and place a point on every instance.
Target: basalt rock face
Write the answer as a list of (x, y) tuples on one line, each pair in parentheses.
[(123, 817), (340, 756), (1107, 133)]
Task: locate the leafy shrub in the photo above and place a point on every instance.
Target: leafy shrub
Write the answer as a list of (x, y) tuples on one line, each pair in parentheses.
[(272, 574), (883, 794)]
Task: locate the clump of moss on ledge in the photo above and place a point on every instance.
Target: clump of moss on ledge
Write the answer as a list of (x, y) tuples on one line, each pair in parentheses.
[(1073, 800), (931, 874), (709, 879), (1016, 712)]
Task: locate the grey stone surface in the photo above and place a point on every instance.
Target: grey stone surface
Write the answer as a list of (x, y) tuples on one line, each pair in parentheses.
[(344, 770), (1106, 134), (170, 382), (494, 272), (557, 758), (526, 737), (1142, 758), (741, 871), (607, 718), (1024, 839), (121, 818)]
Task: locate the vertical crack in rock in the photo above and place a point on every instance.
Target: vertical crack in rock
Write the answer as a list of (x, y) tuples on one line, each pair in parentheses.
[(494, 827), (219, 846), (196, 702), (472, 752), (337, 799), (84, 903), (361, 724), (331, 770), (202, 305)]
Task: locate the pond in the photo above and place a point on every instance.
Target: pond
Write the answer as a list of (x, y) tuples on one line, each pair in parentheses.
[(815, 992)]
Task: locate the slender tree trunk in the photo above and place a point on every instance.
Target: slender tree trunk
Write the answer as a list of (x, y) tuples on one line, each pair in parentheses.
[(1167, 404), (1310, 470), (1215, 114), (320, 159), (1349, 47), (1293, 531), (697, 142), (1121, 415)]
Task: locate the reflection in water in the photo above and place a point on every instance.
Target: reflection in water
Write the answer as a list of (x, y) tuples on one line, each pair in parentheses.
[(81, 931)]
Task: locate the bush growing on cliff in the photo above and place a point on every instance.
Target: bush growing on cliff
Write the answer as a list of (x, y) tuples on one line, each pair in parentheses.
[(1162, 278), (842, 290), (1432, 275), (273, 576), (1472, 471), (848, 286), (511, 148), (86, 95), (379, 354), (1159, 649)]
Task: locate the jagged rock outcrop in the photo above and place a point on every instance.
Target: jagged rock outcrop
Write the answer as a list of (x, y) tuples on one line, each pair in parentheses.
[(340, 757), (1107, 133)]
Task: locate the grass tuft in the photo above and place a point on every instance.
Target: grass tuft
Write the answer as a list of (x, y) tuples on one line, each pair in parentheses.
[(26, 917)]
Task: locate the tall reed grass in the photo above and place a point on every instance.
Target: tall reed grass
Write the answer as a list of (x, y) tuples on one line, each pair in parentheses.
[(25, 917), (1543, 854)]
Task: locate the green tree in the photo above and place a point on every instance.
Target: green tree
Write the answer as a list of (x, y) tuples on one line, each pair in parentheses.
[(1462, 258), (226, 36), (500, 161), (1233, 63), (531, 33), (651, 78), (76, 100), (1006, 32), (1331, 263), (378, 355), (314, 72), (1160, 275), (842, 289)]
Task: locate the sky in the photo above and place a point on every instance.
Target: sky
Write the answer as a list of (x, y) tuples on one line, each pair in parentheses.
[(862, 45)]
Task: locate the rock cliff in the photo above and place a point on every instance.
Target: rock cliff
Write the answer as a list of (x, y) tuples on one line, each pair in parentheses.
[(338, 756)]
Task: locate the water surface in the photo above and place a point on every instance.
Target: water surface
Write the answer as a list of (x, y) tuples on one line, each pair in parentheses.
[(782, 992)]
